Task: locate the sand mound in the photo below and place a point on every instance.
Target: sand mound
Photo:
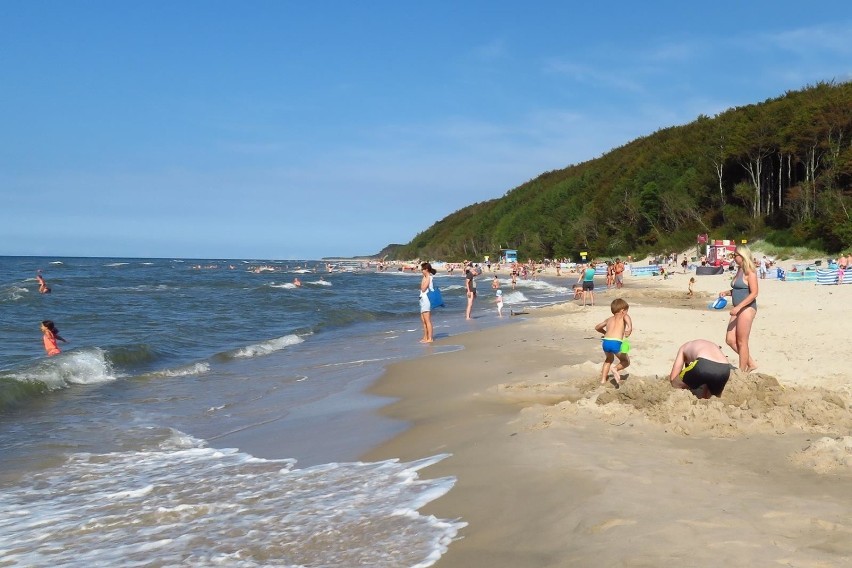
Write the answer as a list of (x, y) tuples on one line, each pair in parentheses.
[(754, 403), (826, 455)]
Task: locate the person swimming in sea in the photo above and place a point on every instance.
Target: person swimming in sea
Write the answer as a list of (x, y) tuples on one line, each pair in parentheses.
[(43, 288)]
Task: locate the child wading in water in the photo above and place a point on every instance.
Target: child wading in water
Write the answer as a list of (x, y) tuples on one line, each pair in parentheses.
[(51, 334), (615, 329)]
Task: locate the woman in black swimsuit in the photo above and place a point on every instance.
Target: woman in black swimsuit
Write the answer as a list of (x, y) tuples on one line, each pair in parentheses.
[(743, 295)]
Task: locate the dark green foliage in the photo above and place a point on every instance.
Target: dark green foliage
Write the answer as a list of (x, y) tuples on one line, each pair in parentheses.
[(781, 169)]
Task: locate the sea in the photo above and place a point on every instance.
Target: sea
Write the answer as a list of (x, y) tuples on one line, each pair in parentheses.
[(212, 412)]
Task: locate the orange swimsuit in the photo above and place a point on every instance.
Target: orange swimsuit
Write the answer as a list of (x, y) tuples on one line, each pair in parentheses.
[(50, 344)]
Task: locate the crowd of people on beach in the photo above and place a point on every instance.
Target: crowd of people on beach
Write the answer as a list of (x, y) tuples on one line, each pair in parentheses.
[(700, 364)]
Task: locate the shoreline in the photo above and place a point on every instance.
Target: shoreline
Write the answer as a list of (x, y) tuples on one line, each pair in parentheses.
[(554, 470)]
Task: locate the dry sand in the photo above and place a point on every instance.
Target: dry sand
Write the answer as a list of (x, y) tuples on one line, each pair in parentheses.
[(554, 469)]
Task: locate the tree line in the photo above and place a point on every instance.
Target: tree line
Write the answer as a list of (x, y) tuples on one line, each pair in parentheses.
[(779, 170)]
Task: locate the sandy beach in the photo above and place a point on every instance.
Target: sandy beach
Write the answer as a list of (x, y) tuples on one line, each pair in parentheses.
[(554, 469)]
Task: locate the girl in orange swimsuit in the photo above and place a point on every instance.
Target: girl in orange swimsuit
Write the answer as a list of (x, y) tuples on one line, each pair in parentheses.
[(51, 334)]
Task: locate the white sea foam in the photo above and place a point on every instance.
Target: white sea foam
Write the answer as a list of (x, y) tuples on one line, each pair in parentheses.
[(515, 297), (267, 347), (13, 293), (319, 282), (188, 504), (82, 366), (113, 264), (541, 285), (185, 371)]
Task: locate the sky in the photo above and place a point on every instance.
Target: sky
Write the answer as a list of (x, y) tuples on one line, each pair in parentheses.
[(308, 129)]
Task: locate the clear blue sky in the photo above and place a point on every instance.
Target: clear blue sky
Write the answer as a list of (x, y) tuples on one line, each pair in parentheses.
[(301, 129)]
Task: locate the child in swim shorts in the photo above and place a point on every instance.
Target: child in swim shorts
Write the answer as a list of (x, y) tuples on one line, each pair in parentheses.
[(615, 330)]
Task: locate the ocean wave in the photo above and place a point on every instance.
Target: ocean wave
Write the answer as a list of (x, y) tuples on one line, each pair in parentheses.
[(13, 293), (14, 392), (544, 286), (515, 297), (79, 367), (286, 285), (266, 347), (131, 355), (319, 282), (133, 507), (114, 264), (184, 371)]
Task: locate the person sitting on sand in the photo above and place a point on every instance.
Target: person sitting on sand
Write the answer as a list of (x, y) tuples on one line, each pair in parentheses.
[(701, 367), (615, 329)]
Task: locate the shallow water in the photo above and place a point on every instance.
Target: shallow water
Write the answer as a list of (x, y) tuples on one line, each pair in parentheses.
[(206, 413)]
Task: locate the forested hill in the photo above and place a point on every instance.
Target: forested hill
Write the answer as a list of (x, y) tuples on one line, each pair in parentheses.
[(781, 170)]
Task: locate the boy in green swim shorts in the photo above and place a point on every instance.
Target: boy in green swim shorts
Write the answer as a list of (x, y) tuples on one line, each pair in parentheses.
[(615, 329)]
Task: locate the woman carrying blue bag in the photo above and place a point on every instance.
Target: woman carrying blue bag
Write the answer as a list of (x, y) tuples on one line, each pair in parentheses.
[(429, 295)]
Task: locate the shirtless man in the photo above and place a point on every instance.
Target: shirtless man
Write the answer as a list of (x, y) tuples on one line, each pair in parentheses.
[(619, 273), (701, 367)]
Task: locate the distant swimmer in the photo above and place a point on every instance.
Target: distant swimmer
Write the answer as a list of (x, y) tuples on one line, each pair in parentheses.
[(297, 282), (42, 285), (51, 334)]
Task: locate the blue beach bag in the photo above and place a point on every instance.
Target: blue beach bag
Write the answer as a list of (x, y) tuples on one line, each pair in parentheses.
[(718, 304), (435, 298)]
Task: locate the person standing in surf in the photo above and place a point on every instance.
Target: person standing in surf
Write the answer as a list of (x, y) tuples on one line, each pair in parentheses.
[(50, 335), (587, 279), (425, 306), (470, 288)]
